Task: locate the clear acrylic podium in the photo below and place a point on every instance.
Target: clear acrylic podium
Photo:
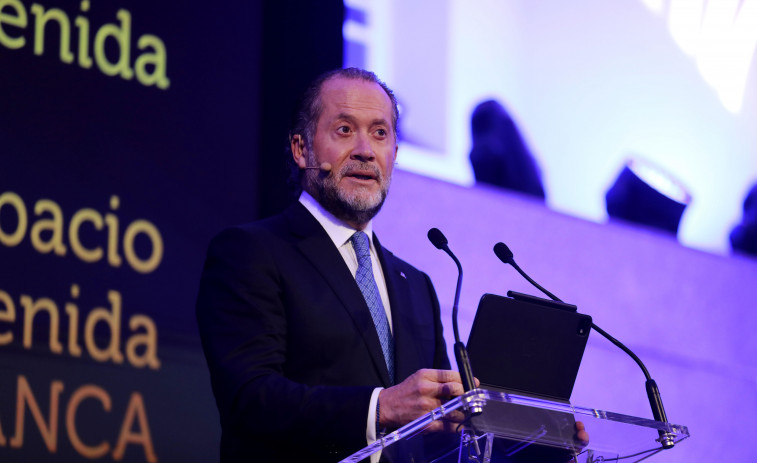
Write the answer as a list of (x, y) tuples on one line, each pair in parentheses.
[(515, 428)]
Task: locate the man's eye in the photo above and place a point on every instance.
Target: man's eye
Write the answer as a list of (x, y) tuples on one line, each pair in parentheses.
[(381, 132), (343, 129)]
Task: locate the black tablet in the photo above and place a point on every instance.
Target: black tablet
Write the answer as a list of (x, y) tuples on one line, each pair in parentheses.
[(527, 347)]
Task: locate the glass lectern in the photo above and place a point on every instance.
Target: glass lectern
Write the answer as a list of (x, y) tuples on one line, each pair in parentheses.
[(516, 428)]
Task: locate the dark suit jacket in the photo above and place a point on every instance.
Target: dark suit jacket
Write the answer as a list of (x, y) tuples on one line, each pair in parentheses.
[(292, 349)]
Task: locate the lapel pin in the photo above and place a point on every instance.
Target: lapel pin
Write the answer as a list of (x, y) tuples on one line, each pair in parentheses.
[(402, 274)]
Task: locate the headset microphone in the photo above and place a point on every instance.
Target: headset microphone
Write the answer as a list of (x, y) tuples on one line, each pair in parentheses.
[(325, 167)]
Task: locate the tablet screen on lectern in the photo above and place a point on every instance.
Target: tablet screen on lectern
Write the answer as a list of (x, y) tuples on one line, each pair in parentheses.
[(527, 348)]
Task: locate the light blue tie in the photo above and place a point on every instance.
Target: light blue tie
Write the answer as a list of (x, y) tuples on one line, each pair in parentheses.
[(367, 285)]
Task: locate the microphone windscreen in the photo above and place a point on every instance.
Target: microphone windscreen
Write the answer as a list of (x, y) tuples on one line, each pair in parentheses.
[(437, 238), (326, 166), (503, 252)]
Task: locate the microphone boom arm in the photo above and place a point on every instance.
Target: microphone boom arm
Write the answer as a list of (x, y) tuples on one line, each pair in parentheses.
[(653, 392)]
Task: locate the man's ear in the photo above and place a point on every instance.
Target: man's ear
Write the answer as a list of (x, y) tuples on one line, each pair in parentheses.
[(297, 144)]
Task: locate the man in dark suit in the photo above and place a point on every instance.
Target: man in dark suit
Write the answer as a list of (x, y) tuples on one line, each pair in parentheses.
[(318, 338)]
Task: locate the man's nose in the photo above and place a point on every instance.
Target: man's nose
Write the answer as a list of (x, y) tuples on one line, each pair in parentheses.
[(363, 149)]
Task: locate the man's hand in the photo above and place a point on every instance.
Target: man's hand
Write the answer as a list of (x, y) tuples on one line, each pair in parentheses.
[(582, 436), (420, 393)]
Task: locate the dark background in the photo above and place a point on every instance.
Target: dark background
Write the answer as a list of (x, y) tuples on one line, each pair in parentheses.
[(206, 153)]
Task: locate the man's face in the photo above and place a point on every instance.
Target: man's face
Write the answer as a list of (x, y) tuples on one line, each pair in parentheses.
[(354, 134)]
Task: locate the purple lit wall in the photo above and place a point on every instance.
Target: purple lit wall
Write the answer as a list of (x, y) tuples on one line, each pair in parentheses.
[(688, 314), (589, 83)]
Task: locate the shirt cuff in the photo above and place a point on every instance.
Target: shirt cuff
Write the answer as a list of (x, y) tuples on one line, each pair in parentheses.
[(370, 428)]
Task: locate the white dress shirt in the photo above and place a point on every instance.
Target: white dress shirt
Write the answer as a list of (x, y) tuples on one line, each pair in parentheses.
[(340, 233)]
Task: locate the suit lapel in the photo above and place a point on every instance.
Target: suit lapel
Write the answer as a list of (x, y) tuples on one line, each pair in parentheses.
[(317, 247), (398, 288)]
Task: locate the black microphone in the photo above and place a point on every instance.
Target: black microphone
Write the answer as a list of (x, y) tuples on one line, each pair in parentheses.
[(653, 393), (438, 239), (506, 255)]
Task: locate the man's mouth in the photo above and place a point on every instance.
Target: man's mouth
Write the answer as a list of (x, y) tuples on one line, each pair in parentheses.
[(361, 175)]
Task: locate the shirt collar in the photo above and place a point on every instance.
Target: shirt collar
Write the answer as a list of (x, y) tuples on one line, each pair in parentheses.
[(338, 230)]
